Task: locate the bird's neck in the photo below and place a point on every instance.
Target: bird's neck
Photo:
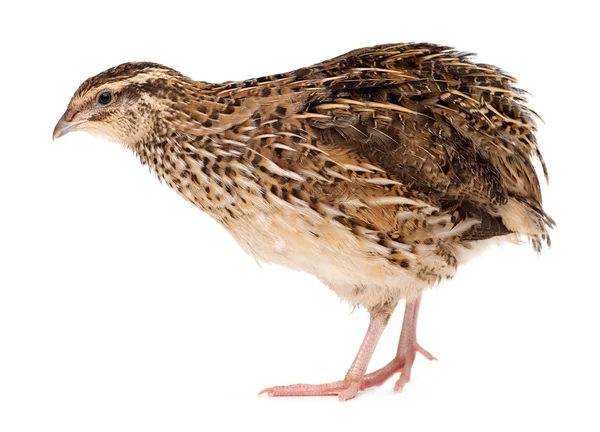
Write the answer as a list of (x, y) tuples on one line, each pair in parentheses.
[(204, 159)]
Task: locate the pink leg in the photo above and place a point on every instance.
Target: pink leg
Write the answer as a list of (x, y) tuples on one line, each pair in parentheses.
[(408, 347), (353, 382)]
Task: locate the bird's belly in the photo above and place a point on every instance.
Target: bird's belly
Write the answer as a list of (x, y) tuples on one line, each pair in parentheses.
[(341, 260)]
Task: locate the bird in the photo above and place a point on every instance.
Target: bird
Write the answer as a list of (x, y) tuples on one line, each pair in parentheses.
[(380, 172)]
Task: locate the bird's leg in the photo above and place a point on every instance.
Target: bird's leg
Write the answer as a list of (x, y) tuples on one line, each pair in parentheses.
[(408, 348), (353, 382)]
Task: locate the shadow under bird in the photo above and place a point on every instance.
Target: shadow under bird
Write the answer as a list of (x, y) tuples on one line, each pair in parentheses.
[(379, 171)]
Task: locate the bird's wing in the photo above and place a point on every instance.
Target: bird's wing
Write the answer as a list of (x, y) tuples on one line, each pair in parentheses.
[(453, 130), (450, 128)]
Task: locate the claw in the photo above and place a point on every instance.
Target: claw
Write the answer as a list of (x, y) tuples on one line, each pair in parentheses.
[(267, 390)]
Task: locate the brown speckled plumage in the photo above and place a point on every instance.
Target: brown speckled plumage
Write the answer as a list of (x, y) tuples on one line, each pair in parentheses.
[(379, 171)]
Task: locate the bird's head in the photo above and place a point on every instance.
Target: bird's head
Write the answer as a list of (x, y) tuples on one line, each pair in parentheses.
[(119, 104)]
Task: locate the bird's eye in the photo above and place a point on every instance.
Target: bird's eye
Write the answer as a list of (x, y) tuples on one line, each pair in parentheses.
[(105, 98)]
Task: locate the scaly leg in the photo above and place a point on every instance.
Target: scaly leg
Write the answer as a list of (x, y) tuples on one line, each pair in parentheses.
[(407, 350), (353, 382)]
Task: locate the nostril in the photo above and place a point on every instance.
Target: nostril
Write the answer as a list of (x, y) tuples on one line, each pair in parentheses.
[(70, 115)]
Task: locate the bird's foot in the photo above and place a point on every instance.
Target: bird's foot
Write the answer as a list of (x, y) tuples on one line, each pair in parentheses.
[(348, 388), (344, 390), (402, 363)]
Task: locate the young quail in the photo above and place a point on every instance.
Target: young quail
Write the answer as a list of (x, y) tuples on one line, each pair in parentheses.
[(379, 171)]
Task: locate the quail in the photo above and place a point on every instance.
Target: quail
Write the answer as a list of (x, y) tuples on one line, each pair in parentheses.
[(380, 171)]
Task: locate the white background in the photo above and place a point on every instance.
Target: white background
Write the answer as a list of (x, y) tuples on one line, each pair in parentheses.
[(123, 308)]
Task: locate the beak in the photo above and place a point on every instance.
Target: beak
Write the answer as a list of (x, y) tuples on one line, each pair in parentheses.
[(63, 126)]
